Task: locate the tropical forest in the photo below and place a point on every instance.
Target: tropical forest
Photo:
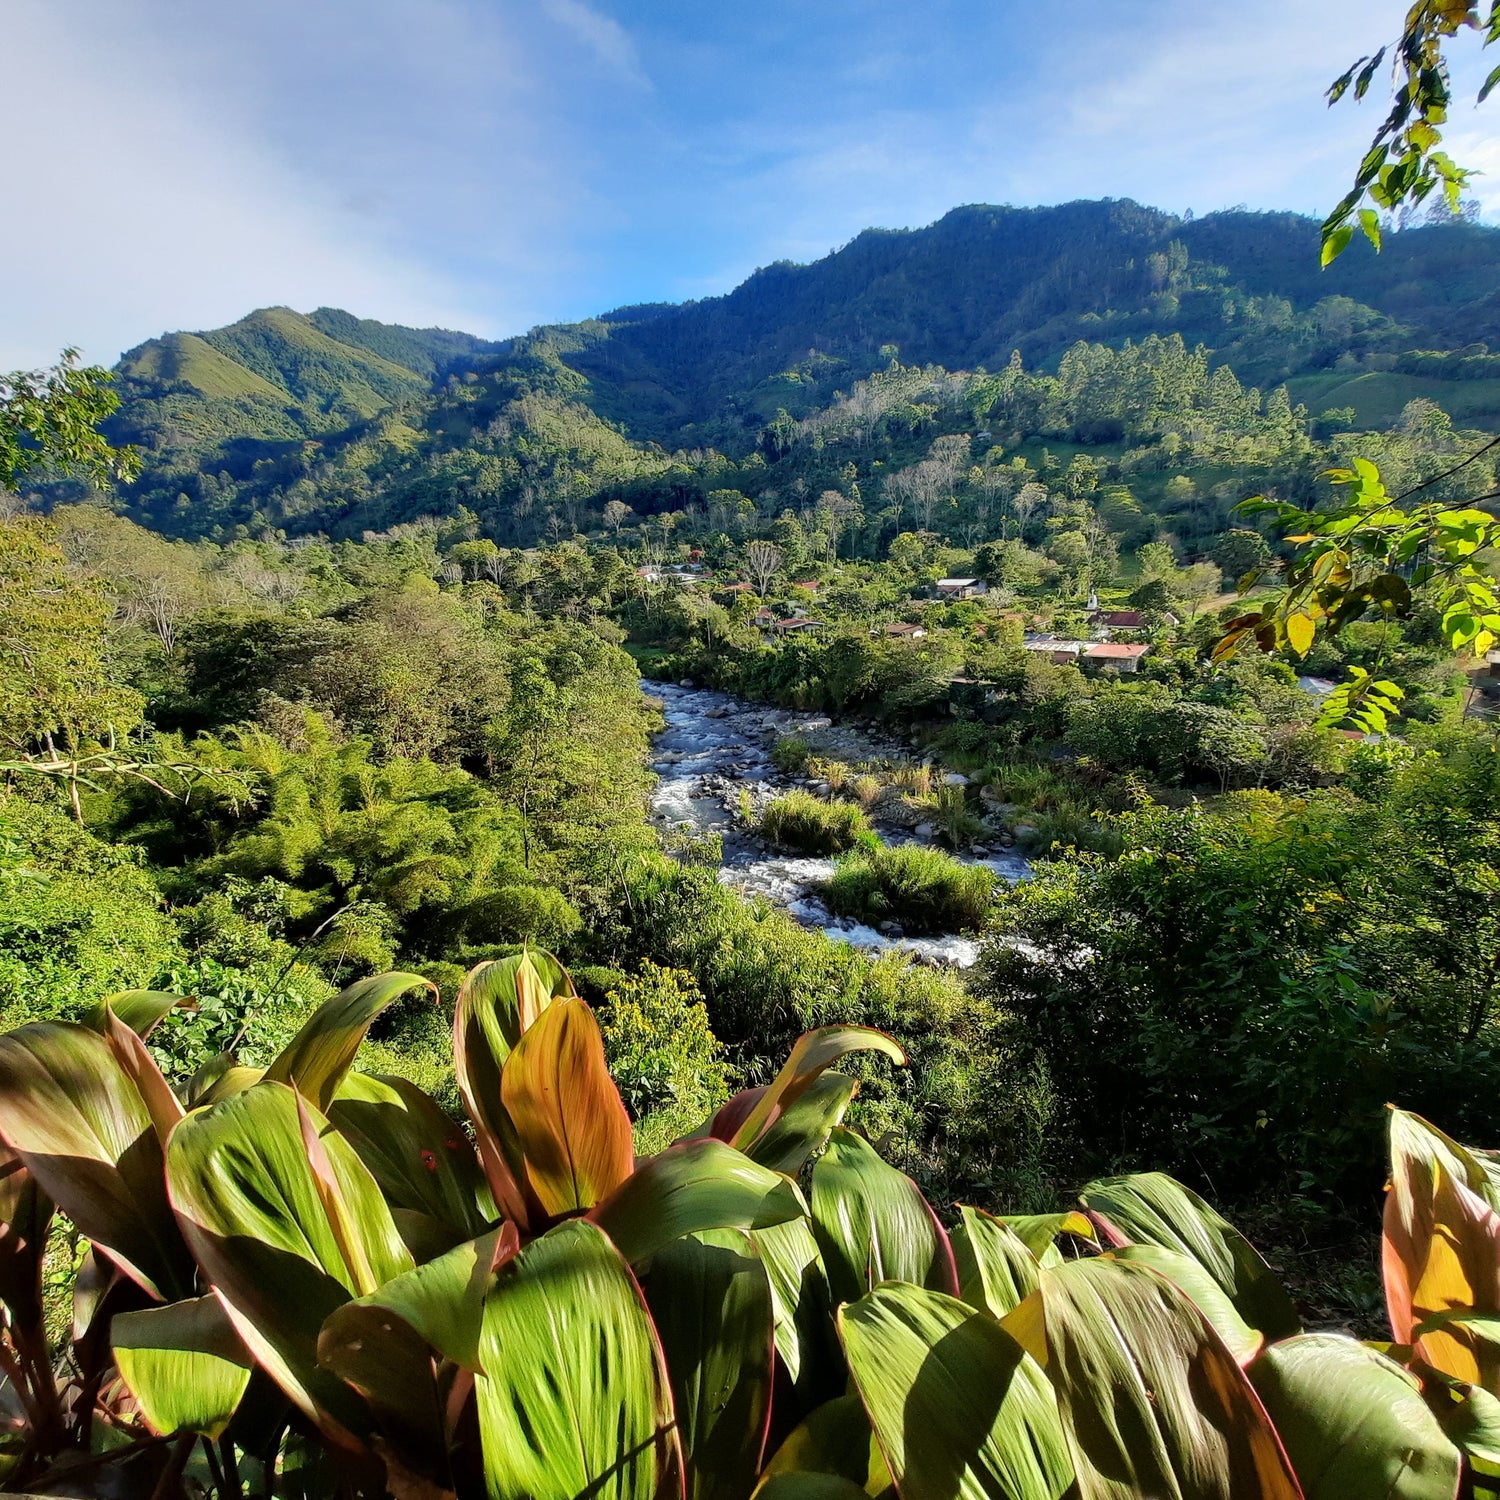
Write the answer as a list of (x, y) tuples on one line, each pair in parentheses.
[(885, 883)]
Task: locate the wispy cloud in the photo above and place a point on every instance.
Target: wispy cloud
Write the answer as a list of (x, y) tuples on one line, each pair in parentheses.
[(602, 35)]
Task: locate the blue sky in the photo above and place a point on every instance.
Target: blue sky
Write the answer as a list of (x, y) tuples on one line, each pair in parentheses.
[(491, 164)]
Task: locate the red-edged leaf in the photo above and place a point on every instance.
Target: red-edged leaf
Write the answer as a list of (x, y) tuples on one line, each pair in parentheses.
[(572, 1125)]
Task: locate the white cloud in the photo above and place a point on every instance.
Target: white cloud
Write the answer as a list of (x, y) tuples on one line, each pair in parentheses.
[(181, 174), (602, 35)]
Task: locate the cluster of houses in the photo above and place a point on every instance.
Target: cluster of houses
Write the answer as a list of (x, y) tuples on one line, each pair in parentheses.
[(1099, 650)]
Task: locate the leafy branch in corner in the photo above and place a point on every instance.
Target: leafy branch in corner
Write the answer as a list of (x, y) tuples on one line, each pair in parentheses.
[(1405, 162), (1370, 556)]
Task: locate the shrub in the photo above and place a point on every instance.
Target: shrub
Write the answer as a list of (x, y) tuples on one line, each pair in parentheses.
[(801, 821), (790, 754), (959, 825), (866, 790), (923, 889), (664, 1057)]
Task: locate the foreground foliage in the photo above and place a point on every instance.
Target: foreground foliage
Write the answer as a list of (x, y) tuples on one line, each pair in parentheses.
[(310, 1279)]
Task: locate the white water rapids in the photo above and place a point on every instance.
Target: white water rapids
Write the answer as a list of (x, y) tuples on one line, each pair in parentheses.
[(712, 745)]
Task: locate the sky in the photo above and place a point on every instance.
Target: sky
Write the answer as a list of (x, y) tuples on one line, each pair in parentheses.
[(494, 164)]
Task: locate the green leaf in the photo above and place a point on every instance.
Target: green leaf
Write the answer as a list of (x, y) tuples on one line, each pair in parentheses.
[(315, 1061), (502, 999), (440, 1303), (996, 1269), (1335, 242), (574, 1399), (282, 1243), (569, 1119), (1353, 1422), (691, 1187), (1369, 221), (1488, 86), (1153, 1209), (801, 1130), (803, 1305), (184, 1364), (836, 1441), (422, 1160), (711, 1303), (1152, 1399), (1300, 631), (873, 1224), (799, 1485), (73, 1116), (140, 1010), (812, 1054), (1039, 1232), (1189, 1276), (960, 1410)]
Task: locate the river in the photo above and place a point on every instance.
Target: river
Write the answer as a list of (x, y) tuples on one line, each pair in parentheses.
[(715, 747)]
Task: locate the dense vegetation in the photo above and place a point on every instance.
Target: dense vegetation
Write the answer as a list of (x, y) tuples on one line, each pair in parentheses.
[(348, 680)]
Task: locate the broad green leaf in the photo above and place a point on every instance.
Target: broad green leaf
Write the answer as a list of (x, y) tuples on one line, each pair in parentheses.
[(812, 1054), (219, 1078), (140, 1010), (185, 1365), (1189, 1275), (25, 1219), (422, 1160), (691, 1187), (1300, 630), (1441, 1251), (1153, 1401), (573, 1127), (1353, 1422), (1151, 1208), (959, 1408), (1039, 1232), (835, 1440), (574, 1399), (996, 1269), (873, 1224), (802, 1301), (73, 1116), (711, 1303), (315, 1061), (1468, 1414), (440, 1303), (391, 1345), (803, 1486), (256, 1212), (801, 1130)]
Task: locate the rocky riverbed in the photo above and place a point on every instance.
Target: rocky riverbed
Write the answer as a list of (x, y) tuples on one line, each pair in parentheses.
[(713, 759)]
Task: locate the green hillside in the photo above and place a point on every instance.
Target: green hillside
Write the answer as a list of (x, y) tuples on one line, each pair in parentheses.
[(326, 421)]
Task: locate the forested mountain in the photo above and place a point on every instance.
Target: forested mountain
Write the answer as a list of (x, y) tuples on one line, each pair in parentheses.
[(327, 422)]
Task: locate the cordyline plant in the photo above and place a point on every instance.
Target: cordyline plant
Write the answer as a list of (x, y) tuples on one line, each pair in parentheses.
[(310, 1281)]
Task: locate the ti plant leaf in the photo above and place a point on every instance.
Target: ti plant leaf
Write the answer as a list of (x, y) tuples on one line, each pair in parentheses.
[(1151, 1208), (959, 1408), (996, 1268), (315, 1061), (569, 1120), (288, 1225), (689, 1188), (185, 1365), (74, 1117), (1354, 1423), (835, 1440), (803, 1308), (813, 1053), (422, 1160), (1153, 1401), (574, 1399), (873, 1224), (711, 1302)]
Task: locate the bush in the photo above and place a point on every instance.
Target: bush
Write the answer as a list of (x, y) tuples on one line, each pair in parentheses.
[(924, 890), (790, 754), (800, 821), (79, 918), (663, 1055)]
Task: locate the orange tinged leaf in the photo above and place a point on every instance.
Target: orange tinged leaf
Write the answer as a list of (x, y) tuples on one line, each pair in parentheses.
[(1441, 1251), (571, 1124)]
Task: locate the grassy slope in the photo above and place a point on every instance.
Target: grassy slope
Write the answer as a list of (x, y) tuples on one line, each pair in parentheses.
[(1377, 397)]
